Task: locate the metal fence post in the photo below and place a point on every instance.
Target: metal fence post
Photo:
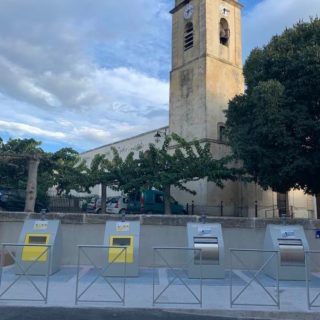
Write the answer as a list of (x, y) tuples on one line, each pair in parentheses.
[(312, 295), (273, 211), (192, 208), (221, 208), (256, 209), (48, 273), (1, 262), (78, 273)]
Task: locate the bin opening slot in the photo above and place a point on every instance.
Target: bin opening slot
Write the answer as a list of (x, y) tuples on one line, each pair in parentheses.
[(290, 242), (37, 239), (205, 240), (209, 253), (121, 242), (291, 252)]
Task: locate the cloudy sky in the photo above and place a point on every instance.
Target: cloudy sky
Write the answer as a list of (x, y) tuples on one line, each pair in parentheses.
[(84, 73)]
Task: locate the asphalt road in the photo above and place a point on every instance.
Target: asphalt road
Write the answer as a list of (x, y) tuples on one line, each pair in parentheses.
[(21, 313)]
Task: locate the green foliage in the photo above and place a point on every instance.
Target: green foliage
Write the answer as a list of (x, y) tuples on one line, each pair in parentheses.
[(116, 173), (196, 161), (275, 126), (20, 146), (13, 164), (68, 171), (174, 164), (63, 169)]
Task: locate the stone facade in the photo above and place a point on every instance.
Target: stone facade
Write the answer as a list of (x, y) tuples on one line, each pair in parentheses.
[(207, 75)]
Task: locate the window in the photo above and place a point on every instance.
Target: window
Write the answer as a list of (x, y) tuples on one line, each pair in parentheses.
[(222, 133), (159, 198), (188, 36), (224, 32)]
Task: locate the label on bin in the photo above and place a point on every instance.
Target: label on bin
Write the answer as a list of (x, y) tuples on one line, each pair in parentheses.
[(287, 233), (204, 230), (317, 234), (122, 226), (40, 225)]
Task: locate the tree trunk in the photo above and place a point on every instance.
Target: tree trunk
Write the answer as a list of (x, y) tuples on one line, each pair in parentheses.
[(167, 201), (103, 198), (318, 205), (31, 192)]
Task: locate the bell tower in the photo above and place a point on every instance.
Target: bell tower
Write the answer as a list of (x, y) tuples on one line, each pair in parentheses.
[(206, 74), (206, 66)]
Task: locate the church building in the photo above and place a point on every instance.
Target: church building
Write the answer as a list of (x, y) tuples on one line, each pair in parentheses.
[(207, 73)]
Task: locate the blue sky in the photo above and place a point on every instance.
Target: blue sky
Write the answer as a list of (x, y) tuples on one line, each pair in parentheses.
[(83, 73)]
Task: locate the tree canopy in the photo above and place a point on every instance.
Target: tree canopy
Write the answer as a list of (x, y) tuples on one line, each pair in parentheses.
[(176, 163), (68, 171), (275, 126), (13, 156), (62, 169)]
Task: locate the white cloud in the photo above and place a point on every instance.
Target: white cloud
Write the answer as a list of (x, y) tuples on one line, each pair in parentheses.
[(130, 85), (91, 134), (129, 100), (23, 129)]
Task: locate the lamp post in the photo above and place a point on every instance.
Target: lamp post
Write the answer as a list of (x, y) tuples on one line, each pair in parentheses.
[(160, 134)]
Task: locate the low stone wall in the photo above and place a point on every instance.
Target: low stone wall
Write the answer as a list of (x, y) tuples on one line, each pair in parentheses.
[(156, 231)]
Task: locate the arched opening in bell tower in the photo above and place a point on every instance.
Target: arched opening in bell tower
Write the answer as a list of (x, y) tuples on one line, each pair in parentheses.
[(224, 32)]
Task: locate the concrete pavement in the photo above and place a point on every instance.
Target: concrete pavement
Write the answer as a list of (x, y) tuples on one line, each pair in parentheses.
[(56, 313), (32, 313), (176, 301)]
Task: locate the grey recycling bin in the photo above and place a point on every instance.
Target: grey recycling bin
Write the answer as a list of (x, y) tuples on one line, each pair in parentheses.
[(291, 242), (122, 234), (209, 239), (34, 259)]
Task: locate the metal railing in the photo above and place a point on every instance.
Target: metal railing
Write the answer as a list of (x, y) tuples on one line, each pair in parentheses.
[(102, 273), (313, 296), (272, 212), (267, 212), (176, 275), (68, 204), (24, 272), (252, 277), (213, 210)]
